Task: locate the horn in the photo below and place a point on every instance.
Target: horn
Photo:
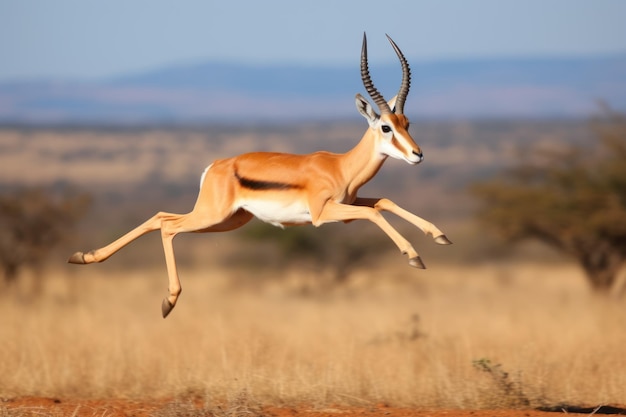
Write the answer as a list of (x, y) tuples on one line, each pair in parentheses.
[(406, 78), (369, 85)]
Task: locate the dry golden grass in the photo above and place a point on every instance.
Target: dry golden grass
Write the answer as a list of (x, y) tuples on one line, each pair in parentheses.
[(399, 336), (450, 337)]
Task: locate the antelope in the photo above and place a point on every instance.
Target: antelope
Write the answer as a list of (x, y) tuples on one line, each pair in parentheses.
[(286, 189)]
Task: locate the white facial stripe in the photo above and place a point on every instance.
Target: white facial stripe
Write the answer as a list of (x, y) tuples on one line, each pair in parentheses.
[(398, 146)]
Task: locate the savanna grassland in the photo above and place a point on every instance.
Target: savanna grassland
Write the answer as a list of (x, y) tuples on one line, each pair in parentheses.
[(484, 328), (481, 337)]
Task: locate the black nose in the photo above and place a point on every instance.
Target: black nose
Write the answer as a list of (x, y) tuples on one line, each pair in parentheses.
[(419, 154)]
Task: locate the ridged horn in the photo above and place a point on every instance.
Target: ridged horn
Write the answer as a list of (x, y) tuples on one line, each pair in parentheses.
[(368, 84), (406, 78)]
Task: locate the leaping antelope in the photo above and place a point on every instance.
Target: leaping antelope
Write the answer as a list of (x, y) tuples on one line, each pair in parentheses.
[(285, 189)]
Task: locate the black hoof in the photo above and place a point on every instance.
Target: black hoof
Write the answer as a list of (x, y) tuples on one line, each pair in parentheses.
[(166, 307), (417, 263), (442, 240), (77, 258)]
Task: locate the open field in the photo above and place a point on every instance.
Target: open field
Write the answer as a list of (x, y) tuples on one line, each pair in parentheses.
[(483, 337), (256, 335)]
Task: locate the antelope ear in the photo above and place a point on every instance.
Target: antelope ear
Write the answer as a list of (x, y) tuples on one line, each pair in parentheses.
[(392, 104), (364, 107)]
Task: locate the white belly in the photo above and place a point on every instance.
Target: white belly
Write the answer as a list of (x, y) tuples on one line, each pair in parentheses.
[(278, 213)]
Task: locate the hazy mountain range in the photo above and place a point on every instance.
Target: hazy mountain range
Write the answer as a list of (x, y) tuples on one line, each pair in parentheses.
[(237, 93)]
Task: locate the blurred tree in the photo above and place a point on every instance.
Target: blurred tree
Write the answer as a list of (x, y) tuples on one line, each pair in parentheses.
[(572, 198), (32, 222)]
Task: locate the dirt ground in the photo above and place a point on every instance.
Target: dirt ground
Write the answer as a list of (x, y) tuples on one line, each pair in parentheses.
[(40, 406)]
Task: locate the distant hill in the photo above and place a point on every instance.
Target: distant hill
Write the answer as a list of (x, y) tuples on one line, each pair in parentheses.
[(214, 91)]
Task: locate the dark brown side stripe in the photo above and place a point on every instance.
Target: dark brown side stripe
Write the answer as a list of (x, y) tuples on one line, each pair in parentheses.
[(264, 185)]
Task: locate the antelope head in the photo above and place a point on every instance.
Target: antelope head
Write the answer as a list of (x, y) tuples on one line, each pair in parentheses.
[(391, 127)]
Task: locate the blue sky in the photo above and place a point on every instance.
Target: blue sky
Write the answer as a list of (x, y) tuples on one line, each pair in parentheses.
[(97, 39)]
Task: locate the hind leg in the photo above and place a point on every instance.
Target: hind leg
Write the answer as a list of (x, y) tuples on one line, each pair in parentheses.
[(170, 224), (189, 223), (102, 254), (213, 212)]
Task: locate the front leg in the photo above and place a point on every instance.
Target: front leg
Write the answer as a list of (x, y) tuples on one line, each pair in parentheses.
[(332, 211), (387, 205)]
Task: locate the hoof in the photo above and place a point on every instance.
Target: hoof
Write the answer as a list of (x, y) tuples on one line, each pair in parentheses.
[(166, 307), (77, 258), (442, 240), (417, 263)]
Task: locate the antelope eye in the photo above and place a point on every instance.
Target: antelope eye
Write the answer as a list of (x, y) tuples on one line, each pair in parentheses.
[(385, 129)]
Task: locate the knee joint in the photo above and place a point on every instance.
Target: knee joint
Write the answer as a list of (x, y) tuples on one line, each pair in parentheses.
[(383, 204)]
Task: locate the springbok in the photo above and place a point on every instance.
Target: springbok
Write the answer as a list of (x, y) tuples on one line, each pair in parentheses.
[(285, 189)]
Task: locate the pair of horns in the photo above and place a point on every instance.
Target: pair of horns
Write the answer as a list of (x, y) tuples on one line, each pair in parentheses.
[(373, 92)]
